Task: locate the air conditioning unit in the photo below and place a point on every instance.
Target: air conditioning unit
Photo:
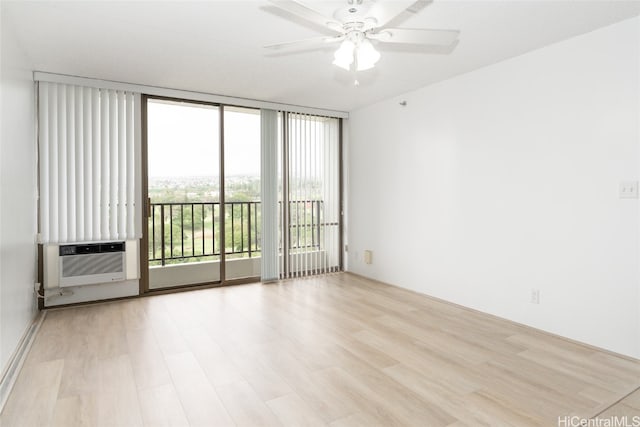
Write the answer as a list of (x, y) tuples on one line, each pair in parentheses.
[(91, 263)]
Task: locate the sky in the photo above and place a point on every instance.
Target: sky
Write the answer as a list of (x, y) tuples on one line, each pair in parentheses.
[(183, 140)]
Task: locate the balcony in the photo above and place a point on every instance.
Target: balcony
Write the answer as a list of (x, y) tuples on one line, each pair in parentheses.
[(185, 238)]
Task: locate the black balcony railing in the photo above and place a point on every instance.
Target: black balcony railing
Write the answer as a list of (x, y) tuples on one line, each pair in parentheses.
[(189, 232)]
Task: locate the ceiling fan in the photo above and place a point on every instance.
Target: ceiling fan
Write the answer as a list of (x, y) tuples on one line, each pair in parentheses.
[(361, 21)]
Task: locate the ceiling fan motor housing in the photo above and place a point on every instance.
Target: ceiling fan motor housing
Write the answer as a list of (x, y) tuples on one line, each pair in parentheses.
[(352, 14)]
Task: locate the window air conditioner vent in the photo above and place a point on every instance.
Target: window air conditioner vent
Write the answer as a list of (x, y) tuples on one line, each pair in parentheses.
[(92, 263)]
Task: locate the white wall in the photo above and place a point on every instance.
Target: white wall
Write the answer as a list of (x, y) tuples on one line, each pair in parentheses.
[(17, 195), (506, 179)]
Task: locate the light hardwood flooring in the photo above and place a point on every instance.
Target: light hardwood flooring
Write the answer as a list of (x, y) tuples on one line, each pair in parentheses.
[(338, 350)]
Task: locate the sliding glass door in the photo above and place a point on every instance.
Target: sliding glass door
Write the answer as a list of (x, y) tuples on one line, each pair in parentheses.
[(242, 207), (184, 193), (203, 186)]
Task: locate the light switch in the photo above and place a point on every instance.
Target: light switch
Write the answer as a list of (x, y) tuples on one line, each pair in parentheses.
[(629, 190)]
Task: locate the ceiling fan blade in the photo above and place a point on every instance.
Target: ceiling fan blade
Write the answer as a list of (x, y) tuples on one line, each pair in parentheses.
[(418, 6), (416, 36), (305, 12), (384, 11), (305, 42)]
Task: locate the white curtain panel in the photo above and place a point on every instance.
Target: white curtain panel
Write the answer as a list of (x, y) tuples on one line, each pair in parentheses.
[(87, 156)]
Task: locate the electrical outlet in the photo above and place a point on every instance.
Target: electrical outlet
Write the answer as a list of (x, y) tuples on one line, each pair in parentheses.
[(629, 190), (368, 257), (535, 296)]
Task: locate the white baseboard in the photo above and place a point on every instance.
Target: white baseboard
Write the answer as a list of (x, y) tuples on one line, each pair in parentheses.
[(10, 374)]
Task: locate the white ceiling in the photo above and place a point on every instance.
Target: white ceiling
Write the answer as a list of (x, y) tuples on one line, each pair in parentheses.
[(216, 46)]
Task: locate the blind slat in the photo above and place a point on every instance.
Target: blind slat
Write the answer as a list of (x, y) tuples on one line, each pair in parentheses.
[(104, 182), (112, 232), (79, 164), (62, 163), (43, 120), (122, 167), (96, 172), (86, 162), (53, 163), (70, 169), (130, 213)]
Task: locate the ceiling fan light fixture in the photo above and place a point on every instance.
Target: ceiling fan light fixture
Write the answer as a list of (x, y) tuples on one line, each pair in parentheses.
[(366, 56), (343, 57)]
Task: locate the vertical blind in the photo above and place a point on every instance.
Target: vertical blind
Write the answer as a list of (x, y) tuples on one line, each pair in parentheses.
[(269, 194), (311, 194), (87, 155)]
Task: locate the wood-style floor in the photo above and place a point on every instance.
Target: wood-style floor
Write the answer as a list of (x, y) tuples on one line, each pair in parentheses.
[(338, 350)]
